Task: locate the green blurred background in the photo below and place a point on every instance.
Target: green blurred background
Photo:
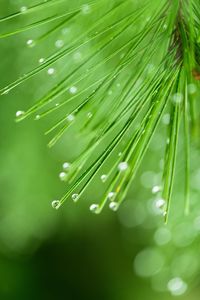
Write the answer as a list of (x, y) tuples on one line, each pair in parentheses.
[(71, 253)]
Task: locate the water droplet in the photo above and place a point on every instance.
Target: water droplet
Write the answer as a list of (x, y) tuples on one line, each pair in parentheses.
[(70, 118), (86, 9), (55, 204), (177, 286), (113, 206), (149, 262), (177, 98), (159, 203), (65, 30), (77, 56), (75, 197), (37, 117), (166, 119), (23, 9), (104, 177), (41, 60), (19, 113), (51, 71), (62, 176), (94, 208), (123, 166), (162, 236), (59, 43), (156, 189), (73, 90), (30, 43), (66, 166), (111, 196)]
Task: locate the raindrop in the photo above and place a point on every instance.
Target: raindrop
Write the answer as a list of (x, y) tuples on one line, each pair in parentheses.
[(73, 90), (164, 214), (70, 118), (41, 60), (51, 71), (177, 286), (158, 206), (156, 189), (19, 113), (111, 196), (30, 43), (94, 208), (65, 30), (37, 117), (177, 98), (59, 43), (23, 9), (162, 236), (113, 206), (75, 197), (166, 119), (123, 166), (62, 176), (66, 166), (55, 204), (104, 178), (159, 203), (77, 56), (86, 9), (148, 262)]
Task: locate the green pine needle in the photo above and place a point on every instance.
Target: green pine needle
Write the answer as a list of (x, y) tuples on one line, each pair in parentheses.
[(124, 64)]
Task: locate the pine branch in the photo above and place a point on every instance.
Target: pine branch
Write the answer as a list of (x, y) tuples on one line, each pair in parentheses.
[(135, 67)]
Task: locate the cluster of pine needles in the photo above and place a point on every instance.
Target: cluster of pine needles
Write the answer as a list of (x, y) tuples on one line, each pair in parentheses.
[(136, 62)]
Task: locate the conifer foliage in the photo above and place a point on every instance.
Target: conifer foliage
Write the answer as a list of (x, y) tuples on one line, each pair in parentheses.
[(119, 72)]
